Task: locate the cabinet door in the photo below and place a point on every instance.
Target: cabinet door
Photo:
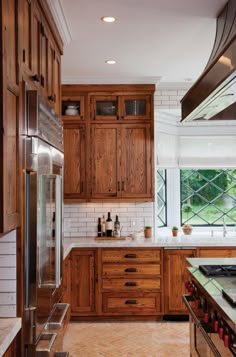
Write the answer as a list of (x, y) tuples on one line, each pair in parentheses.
[(105, 158), (74, 161), (50, 76), (26, 38), (175, 276), (82, 281), (10, 41), (135, 107), (36, 38), (136, 161), (104, 107), (9, 203), (72, 108), (44, 59), (57, 82)]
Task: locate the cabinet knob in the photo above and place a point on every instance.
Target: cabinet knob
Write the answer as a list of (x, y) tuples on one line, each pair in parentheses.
[(118, 185), (226, 340)]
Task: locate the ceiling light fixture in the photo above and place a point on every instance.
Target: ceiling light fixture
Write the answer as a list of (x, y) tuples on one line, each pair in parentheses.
[(110, 62), (108, 19)]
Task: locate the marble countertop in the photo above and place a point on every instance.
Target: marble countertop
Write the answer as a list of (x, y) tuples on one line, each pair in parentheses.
[(9, 327), (164, 241)]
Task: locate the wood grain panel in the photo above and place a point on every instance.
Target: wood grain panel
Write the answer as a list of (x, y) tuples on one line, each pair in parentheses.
[(105, 161), (131, 303), (74, 159), (175, 276), (216, 253), (136, 161), (26, 39), (131, 269), (131, 255), (131, 284), (82, 282)]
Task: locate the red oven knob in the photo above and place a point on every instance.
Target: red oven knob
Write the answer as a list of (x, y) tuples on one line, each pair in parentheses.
[(206, 317), (216, 325), (226, 340), (197, 303), (221, 331)]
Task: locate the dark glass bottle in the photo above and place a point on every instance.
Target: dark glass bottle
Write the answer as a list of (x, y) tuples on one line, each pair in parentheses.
[(109, 225), (99, 227), (117, 227)]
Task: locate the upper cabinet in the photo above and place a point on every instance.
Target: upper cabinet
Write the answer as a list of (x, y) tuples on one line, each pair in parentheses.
[(118, 123), (31, 49), (120, 107)]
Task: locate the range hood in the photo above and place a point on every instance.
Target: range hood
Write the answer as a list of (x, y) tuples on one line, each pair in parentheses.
[(215, 90)]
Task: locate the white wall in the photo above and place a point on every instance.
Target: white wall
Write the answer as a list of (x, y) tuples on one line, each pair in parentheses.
[(8, 275)]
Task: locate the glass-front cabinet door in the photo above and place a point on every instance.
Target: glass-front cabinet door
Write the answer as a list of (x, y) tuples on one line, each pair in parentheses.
[(135, 107), (104, 107), (73, 108)]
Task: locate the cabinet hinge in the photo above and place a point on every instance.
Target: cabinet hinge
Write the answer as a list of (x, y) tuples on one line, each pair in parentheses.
[(23, 55), (54, 54)]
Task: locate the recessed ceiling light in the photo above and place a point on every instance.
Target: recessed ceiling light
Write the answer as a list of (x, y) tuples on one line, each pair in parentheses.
[(110, 62), (108, 19)]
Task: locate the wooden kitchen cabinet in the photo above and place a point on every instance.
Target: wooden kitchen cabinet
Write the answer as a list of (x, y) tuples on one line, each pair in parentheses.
[(11, 351), (131, 281), (9, 119), (175, 276), (108, 107), (74, 162), (121, 164), (83, 282)]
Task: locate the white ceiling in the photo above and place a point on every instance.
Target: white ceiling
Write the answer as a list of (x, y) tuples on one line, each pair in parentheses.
[(152, 40)]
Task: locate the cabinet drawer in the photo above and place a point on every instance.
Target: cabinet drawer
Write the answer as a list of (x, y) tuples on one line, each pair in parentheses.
[(131, 303), (131, 255), (131, 284), (131, 269)]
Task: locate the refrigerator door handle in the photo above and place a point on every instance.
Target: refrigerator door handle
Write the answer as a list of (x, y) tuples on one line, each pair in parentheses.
[(58, 231)]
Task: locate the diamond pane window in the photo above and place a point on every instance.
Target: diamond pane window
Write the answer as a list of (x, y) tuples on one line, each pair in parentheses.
[(161, 198), (208, 197)]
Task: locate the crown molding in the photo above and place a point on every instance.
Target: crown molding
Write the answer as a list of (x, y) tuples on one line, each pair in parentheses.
[(109, 80), (60, 20)]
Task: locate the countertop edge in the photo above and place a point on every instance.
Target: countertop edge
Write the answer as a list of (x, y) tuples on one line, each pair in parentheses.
[(11, 326)]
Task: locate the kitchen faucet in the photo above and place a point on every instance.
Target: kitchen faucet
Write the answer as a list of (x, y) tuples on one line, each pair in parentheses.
[(224, 228)]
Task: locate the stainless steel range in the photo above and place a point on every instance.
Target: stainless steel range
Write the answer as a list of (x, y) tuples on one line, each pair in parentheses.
[(211, 304)]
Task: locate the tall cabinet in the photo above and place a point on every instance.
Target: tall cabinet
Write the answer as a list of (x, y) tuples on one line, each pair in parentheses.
[(118, 124)]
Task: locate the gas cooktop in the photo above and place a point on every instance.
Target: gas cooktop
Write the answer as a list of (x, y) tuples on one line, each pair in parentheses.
[(218, 270)]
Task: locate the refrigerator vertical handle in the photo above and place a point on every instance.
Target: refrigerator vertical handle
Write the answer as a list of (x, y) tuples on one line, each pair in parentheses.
[(58, 231)]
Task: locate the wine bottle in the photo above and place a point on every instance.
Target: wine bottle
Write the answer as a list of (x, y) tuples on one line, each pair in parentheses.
[(109, 225), (99, 227), (117, 227), (103, 226)]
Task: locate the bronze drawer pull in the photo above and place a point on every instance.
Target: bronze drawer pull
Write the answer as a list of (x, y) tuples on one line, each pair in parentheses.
[(131, 283), (131, 302), (130, 255), (130, 270)]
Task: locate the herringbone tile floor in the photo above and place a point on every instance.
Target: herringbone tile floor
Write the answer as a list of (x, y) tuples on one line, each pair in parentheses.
[(127, 339)]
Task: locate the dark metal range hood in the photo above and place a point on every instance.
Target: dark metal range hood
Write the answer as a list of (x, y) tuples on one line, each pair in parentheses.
[(215, 90)]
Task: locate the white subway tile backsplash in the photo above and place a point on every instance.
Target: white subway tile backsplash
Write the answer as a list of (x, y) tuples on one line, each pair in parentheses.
[(7, 298), (8, 310)]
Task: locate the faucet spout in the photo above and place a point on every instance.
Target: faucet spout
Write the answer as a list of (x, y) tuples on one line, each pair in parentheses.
[(224, 228)]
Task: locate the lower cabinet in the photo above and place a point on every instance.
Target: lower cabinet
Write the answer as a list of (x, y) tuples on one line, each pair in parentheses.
[(175, 276), (210, 252), (66, 280), (83, 288), (131, 281), (11, 351)]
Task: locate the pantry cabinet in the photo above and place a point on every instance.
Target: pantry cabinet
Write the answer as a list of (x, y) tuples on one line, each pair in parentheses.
[(83, 282), (121, 165), (175, 277)]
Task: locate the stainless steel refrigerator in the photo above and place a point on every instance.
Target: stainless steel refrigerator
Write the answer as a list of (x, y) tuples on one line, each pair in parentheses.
[(44, 156)]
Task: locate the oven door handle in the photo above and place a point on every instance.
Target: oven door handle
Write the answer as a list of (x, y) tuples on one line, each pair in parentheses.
[(186, 300)]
